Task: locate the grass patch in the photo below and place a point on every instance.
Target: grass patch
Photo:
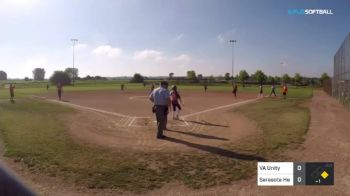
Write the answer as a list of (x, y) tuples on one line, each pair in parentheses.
[(22, 91), (283, 123)]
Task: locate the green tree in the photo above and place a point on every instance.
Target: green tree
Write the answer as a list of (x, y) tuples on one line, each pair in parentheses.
[(243, 76), (3, 75), (324, 77), (200, 76), (298, 79), (211, 79), (39, 74), (60, 77), (72, 72), (191, 75), (277, 79), (227, 76), (270, 79), (260, 76), (285, 78), (137, 78), (171, 75)]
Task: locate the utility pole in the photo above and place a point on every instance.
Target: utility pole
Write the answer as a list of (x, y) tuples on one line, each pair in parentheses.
[(232, 41), (282, 64), (74, 41)]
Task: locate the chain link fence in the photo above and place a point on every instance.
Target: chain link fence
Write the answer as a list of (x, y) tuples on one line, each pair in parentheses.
[(341, 76), (327, 86)]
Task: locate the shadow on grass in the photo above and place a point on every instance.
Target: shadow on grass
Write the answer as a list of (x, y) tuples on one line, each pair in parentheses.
[(216, 150), (199, 135)]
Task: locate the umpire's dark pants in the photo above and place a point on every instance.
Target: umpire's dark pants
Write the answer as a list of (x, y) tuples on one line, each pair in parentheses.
[(59, 92), (161, 115)]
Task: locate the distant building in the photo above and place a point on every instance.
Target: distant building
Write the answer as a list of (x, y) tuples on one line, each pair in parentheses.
[(341, 74)]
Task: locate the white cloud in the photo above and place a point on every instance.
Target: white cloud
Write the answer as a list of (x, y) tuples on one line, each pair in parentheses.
[(107, 50), (226, 36), (179, 37), (36, 61), (78, 46), (18, 3), (149, 55), (183, 58), (94, 61), (155, 56), (154, 62), (81, 46), (220, 38)]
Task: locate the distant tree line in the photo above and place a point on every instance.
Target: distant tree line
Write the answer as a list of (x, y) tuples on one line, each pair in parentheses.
[(39, 73), (259, 77), (137, 78), (88, 77)]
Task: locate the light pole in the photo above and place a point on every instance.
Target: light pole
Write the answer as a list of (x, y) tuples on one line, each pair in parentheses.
[(74, 41), (232, 41)]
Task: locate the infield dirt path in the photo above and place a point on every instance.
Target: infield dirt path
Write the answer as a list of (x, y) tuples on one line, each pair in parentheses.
[(124, 121), (328, 139)]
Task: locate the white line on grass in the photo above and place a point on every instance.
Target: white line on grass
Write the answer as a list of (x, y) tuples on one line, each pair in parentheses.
[(84, 107), (130, 119), (220, 107)]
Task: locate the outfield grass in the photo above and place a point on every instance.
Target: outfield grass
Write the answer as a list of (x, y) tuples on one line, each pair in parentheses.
[(34, 134), (283, 122), (26, 89)]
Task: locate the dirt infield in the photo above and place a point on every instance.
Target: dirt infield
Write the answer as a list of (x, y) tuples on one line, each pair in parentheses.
[(123, 120)]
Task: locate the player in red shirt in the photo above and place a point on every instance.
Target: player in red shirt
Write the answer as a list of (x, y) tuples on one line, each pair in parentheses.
[(284, 90), (175, 99)]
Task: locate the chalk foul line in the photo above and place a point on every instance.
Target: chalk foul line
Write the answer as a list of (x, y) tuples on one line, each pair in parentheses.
[(220, 107), (131, 119), (84, 107)]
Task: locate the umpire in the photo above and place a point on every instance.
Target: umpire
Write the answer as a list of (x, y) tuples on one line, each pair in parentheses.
[(161, 100)]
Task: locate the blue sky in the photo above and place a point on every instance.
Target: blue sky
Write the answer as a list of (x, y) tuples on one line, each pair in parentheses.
[(156, 37)]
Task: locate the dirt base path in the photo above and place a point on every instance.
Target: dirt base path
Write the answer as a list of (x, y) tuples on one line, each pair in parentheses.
[(328, 139), (214, 128)]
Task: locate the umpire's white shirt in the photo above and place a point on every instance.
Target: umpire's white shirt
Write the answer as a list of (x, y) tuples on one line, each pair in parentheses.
[(160, 96)]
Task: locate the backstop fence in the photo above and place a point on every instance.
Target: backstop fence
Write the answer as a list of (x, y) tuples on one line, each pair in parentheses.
[(341, 75)]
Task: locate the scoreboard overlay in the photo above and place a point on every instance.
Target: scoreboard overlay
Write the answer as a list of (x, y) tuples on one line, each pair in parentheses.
[(295, 173)]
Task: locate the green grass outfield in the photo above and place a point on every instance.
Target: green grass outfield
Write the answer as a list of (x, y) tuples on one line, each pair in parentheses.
[(34, 134), (24, 89)]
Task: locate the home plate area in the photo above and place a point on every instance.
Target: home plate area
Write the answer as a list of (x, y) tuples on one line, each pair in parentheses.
[(145, 121)]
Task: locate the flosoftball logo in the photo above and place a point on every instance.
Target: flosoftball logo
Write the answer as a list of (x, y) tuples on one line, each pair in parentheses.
[(310, 12)]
